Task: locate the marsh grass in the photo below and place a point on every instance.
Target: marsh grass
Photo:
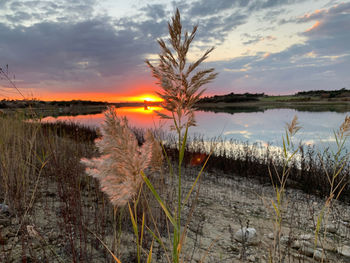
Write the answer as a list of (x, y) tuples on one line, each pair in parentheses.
[(21, 162), (40, 170)]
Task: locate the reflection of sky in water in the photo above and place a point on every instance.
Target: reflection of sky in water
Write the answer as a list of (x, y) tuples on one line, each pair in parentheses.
[(268, 126)]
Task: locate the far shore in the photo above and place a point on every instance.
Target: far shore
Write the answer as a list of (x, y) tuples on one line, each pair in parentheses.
[(262, 104), (315, 105)]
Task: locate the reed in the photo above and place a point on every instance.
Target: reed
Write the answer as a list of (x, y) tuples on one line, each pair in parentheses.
[(181, 87)]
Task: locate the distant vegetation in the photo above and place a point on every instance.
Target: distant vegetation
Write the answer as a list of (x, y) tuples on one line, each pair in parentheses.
[(15, 104), (341, 93), (232, 97), (302, 96)]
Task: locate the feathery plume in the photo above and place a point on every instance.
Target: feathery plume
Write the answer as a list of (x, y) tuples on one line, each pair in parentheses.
[(180, 83), (293, 127), (344, 129), (118, 169)]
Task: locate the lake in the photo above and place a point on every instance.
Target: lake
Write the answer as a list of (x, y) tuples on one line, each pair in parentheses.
[(255, 127)]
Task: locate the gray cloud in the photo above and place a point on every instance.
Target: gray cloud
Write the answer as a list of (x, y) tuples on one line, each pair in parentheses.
[(207, 8), (330, 36), (82, 52), (339, 9), (155, 11), (252, 39), (21, 12)]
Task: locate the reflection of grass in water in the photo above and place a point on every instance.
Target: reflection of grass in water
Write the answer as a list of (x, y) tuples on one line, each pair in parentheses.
[(336, 107)]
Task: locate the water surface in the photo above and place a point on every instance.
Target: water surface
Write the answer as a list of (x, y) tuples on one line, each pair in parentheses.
[(265, 127)]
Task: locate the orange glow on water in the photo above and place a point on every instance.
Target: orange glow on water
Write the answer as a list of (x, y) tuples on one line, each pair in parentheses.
[(142, 110), (143, 117)]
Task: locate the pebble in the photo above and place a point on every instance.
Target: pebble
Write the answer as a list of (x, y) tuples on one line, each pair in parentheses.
[(246, 235), (251, 258), (4, 208), (344, 250), (5, 232), (319, 255), (5, 222), (271, 236), (284, 240), (305, 237), (331, 228), (300, 243), (307, 251)]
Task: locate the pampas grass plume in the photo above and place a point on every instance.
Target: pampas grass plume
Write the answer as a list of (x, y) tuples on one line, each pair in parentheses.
[(122, 159)]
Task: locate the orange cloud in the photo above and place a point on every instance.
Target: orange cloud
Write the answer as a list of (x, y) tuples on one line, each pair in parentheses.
[(266, 55), (314, 26)]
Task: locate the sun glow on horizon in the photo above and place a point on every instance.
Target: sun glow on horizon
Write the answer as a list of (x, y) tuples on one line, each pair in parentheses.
[(144, 97), (140, 97)]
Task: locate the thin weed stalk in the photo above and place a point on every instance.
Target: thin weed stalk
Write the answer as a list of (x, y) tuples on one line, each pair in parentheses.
[(337, 180), (280, 186)]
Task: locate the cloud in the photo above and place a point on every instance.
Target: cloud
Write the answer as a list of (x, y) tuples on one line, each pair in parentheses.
[(155, 11), (83, 54), (31, 12), (252, 39), (215, 29), (320, 62), (343, 8), (329, 34), (208, 8), (67, 45), (218, 18)]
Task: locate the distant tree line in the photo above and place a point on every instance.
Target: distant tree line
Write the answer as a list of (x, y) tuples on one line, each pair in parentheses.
[(41, 104), (232, 97), (325, 93)]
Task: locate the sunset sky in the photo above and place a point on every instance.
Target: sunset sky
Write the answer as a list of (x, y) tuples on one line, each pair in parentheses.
[(87, 49)]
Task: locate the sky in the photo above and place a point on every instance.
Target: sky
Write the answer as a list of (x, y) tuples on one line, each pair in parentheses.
[(89, 49)]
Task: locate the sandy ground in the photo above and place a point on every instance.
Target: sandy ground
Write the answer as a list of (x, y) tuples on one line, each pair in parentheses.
[(225, 205)]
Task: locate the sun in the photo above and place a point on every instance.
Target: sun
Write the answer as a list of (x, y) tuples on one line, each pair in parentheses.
[(147, 98)]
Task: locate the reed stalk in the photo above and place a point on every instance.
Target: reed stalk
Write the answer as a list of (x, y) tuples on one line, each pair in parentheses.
[(180, 89)]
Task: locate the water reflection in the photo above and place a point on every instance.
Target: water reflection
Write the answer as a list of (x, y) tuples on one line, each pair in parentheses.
[(142, 117), (262, 127)]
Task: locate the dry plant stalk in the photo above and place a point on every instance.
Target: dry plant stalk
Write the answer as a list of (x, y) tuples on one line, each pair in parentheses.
[(278, 205), (337, 180)]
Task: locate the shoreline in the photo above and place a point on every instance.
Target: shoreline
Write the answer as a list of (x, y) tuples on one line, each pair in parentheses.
[(317, 105)]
